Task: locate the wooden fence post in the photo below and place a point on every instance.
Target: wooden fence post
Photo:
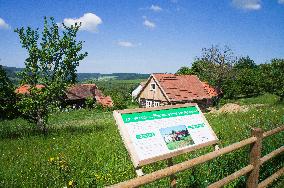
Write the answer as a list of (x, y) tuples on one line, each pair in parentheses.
[(173, 181), (255, 155)]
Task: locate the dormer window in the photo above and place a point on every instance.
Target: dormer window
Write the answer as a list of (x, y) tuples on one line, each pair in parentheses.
[(153, 87)]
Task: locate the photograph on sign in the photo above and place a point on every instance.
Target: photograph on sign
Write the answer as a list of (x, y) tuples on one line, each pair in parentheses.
[(176, 137), (155, 134)]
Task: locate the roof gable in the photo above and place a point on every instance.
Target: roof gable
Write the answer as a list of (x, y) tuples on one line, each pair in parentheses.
[(159, 87)]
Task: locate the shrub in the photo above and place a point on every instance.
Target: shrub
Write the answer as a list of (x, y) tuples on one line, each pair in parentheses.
[(90, 102), (7, 96)]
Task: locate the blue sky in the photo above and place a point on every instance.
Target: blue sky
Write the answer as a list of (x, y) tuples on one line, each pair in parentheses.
[(150, 36)]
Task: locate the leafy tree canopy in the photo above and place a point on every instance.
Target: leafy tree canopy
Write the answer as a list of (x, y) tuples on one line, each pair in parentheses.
[(53, 57), (7, 95), (273, 77), (215, 65), (184, 71), (245, 63)]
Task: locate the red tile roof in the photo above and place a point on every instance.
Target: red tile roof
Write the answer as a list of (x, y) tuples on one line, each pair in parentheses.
[(184, 87), (210, 89), (77, 92), (105, 101), (81, 91), (24, 89)]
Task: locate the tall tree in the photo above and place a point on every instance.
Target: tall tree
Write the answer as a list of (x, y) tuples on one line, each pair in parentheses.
[(7, 96), (202, 70), (184, 71), (245, 63), (247, 77), (215, 64), (52, 60), (273, 77)]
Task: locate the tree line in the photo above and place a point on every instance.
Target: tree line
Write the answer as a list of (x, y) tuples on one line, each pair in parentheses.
[(237, 77)]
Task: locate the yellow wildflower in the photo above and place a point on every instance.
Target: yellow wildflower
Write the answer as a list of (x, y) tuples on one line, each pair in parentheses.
[(51, 159), (70, 183)]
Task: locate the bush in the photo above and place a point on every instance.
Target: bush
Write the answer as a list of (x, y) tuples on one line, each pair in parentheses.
[(90, 102), (7, 96)]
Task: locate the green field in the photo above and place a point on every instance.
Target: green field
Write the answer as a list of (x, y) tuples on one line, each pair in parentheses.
[(84, 148)]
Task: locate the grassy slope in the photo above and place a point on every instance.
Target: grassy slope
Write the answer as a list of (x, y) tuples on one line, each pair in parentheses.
[(93, 149)]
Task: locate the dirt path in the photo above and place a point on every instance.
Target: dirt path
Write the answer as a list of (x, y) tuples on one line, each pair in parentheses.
[(233, 108)]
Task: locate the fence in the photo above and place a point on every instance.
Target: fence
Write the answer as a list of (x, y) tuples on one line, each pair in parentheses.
[(252, 169)]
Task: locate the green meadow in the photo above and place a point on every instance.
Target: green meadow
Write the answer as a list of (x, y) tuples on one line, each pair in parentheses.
[(83, 148)]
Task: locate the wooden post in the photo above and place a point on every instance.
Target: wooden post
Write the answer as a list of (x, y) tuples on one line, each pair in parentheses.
[(255, 155), (173, 181)]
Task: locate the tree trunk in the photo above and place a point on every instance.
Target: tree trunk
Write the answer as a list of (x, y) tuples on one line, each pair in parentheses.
[(41, 124)]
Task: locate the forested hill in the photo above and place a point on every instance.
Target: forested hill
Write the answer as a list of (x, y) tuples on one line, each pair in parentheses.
[(12, 74), (117, 76)]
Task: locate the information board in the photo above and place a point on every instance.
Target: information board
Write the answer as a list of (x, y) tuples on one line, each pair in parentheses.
[(153, 134)]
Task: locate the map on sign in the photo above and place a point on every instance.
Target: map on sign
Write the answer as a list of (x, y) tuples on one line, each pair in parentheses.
[(155, 134)]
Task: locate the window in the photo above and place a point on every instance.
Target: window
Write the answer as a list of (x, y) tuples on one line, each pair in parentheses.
[(153, 87), (148, 104), (156, 103)]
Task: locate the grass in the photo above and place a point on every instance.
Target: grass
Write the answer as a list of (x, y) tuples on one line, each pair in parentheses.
[(90, 151), (262, 99)]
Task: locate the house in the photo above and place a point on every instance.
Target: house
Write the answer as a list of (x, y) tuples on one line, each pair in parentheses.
[(170, 89), (77, 94), (137, 90)]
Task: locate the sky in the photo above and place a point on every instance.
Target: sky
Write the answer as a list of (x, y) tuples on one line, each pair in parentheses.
[(144, 36)]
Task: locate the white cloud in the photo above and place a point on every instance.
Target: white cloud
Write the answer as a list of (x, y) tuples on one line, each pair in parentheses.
[(3, 24), (247, 4), (89, 22), (156, 8), (126, 44), (281, 1), (148, 23)]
